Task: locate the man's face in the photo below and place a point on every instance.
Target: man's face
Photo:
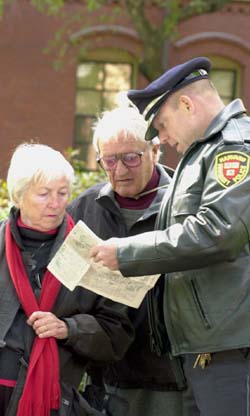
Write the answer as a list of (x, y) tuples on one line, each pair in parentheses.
[(173, 123), (129, 181)]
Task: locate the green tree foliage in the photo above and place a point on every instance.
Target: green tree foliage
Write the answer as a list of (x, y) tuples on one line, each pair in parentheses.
[(4, 200), (155, 39), (84, 179)]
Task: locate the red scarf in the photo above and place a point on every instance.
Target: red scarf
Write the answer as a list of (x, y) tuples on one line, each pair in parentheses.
[(41, 391)]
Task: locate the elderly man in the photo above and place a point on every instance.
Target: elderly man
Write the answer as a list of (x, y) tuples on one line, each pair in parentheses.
[(125, 206), (203, 241)]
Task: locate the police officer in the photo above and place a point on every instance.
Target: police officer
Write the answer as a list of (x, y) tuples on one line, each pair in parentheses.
[(202, 244)]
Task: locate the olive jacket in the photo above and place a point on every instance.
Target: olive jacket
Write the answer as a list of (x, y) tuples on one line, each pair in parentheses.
[(202, 244)]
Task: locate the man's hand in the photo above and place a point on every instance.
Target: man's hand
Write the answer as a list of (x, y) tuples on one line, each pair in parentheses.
[(106, 254), (46, 324)]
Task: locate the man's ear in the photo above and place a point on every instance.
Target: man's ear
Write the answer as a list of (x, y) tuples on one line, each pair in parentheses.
[(156, 150), (186, 103)]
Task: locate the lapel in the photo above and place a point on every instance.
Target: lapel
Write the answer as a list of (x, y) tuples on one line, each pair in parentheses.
[(8, 298)]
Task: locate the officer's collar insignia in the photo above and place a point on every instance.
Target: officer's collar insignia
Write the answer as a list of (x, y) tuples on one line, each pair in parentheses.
[(231, 168)]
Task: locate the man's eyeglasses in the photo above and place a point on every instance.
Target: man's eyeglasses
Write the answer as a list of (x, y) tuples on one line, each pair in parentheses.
[(131, 160)]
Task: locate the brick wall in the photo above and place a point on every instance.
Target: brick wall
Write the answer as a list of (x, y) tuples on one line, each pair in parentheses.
[(37, 102)]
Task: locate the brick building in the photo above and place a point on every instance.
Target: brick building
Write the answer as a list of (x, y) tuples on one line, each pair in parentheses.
[(58, 107)]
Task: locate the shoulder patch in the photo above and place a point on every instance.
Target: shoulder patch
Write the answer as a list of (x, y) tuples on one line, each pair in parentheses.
[(231, 167)]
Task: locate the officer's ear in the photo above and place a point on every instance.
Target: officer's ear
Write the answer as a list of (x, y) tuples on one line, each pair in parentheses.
[(186, 104)]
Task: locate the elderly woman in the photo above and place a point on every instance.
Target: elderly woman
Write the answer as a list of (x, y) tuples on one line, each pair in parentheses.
[(47, 334)]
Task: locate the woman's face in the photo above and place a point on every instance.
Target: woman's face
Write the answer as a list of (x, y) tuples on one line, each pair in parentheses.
[(43, 204)]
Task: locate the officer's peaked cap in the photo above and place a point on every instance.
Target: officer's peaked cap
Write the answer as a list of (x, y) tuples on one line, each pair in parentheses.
[(149, 100)]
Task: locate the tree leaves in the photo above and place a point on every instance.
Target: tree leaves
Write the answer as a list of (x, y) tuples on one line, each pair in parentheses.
[(155, 38)]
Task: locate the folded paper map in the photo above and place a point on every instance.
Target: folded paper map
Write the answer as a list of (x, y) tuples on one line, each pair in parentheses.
[(73, 266)]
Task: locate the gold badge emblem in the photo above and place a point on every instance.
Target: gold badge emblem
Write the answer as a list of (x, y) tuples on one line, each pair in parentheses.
[(231, 168)]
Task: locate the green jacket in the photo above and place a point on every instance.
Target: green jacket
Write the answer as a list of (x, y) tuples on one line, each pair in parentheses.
[(202, 244)]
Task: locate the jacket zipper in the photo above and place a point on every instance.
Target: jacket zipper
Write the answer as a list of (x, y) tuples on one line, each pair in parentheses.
[(154, 338)]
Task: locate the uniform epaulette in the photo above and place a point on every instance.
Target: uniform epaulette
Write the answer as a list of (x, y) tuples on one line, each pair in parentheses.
[(235, 133)]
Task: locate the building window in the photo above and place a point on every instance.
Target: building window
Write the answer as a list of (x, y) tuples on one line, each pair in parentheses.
[(225, 82), (98, 84), (227, 77)]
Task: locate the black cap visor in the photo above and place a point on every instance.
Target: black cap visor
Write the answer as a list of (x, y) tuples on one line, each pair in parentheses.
[(151, 131)]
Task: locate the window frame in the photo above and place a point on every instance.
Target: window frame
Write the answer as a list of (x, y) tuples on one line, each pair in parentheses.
[(113, 57)]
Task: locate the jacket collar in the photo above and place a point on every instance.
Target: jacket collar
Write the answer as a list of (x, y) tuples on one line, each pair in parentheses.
[(106, 194), (232, 110), (14, 213)]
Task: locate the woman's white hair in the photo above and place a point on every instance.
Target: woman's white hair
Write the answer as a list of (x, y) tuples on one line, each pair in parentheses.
[(32, 163), (123, 119)]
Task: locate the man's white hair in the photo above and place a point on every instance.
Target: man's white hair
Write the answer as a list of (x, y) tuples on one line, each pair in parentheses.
[(123, 119), (32, 163)]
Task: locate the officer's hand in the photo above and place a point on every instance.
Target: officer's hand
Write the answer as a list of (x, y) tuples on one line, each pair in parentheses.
[(106, 254)]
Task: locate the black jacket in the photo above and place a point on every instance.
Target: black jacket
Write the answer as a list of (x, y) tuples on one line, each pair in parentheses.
[(99, 331), (140, 368)]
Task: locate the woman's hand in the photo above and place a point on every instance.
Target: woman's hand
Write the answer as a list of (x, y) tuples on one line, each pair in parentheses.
[(46, 324)]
